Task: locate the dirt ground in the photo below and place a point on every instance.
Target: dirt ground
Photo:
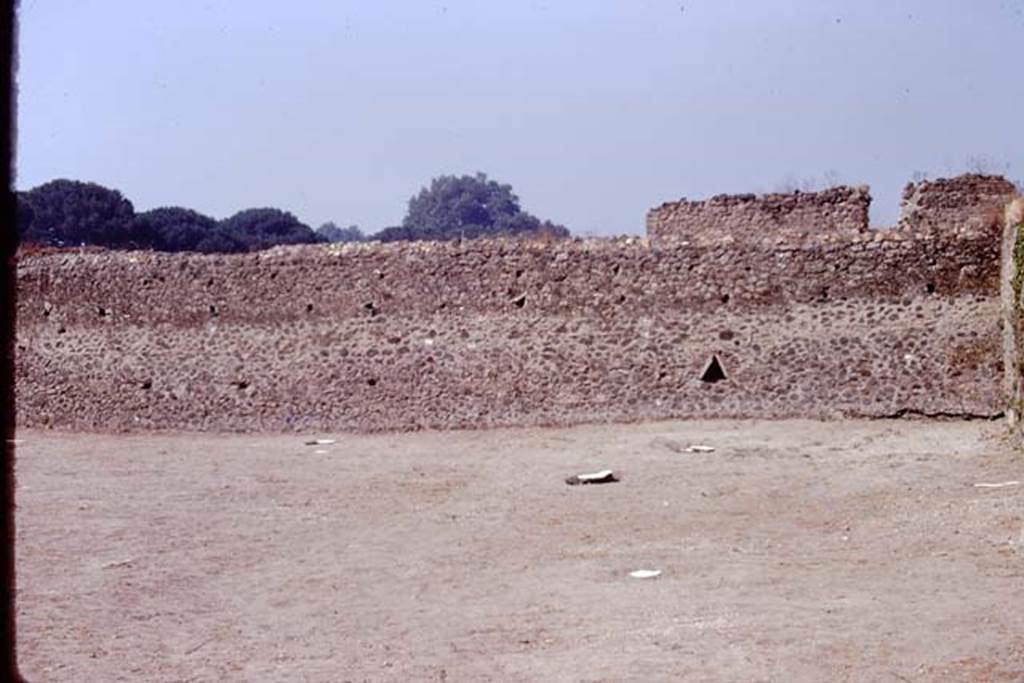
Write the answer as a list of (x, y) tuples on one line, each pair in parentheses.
[(796, 551)]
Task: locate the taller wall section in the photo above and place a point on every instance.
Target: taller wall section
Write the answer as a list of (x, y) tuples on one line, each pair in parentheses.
[(1013, 313), (967, 202), (839, 212)]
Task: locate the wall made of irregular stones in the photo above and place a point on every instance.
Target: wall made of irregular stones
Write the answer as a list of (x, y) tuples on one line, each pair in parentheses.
[(494, 333), (967, 202), (1012, 300), (765, 219)]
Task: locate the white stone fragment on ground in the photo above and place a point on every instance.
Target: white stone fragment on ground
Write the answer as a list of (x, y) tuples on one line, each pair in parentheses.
[(998, 485), (600, 477), (120, 563), (700, 448), (645, 573), (320, 451), (320, 442)]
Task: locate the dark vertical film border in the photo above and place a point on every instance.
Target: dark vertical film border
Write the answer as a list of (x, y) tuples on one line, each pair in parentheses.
[(9, 665)]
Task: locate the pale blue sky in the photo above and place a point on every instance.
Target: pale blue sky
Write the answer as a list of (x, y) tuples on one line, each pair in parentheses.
[(594, 111)]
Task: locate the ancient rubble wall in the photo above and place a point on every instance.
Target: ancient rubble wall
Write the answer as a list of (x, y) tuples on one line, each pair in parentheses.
[(967, 202), (765, 219), (1012, 300), (492, 333)]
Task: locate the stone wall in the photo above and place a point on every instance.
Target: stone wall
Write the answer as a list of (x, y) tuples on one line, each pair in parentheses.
[(1012, 295), (966, 202), (493, 333), (764, 219)]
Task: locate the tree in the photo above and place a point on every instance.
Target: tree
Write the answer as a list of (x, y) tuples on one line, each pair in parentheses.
[(466, 207), (174, 228), (264, 228), (25, 214), (396, 233), (66, 213), (332, 233), (69, 213)]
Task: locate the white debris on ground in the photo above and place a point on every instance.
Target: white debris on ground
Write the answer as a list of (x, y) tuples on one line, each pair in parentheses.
[(600, 477), (645, 573)]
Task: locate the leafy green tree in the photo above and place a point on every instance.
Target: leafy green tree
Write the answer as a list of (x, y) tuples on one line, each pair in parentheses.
[(174, 228), (332, 233), (398, 233), (70, 213), (25, 214), (66, 213), (456, 207), (266, 227)]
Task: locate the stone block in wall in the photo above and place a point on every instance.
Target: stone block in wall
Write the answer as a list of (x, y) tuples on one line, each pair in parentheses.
[(762, 219), (968, 202)]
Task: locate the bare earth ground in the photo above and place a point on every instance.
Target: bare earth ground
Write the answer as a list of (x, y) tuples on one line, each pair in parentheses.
[(797, 551)]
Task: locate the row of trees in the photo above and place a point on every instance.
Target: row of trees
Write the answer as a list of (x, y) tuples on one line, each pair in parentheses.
[(65, 213)]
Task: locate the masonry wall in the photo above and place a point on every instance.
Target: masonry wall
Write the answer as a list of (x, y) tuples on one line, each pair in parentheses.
[(1013, 314), (488, 333), (762, 219), (967, 202)]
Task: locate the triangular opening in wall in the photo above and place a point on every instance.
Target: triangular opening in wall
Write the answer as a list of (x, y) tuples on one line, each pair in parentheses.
[(713, 371)]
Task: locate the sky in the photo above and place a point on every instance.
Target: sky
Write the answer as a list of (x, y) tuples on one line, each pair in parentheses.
[(594, 111)]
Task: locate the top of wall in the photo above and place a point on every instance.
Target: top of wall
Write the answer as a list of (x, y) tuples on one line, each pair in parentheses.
[(967, 202), (762, 219), (451, 280)]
